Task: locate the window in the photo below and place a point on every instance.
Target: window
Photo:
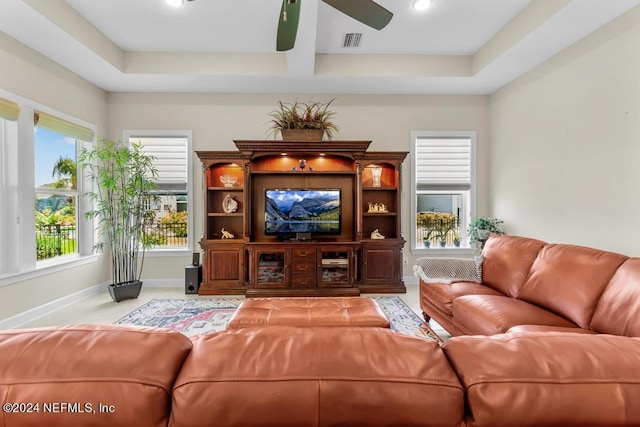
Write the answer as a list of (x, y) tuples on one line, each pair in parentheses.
[(56, 143), (444, 188), (173, 218), (41, 207), (9, 112)]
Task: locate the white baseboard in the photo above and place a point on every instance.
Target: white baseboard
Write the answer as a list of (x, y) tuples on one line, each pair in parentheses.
[(163, 283), (32, 314), (410, 280)]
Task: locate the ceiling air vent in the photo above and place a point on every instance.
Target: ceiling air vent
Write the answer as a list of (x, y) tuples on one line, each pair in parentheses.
[(351, 40)]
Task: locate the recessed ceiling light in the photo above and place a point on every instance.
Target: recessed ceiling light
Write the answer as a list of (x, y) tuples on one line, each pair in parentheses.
[(421, 4), (175, 3)]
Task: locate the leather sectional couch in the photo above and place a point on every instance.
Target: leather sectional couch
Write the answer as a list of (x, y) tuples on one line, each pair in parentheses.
[(531, 285), (314, 376)]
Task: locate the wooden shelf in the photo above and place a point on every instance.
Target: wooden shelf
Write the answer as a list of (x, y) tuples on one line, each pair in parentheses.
[(232, 266)]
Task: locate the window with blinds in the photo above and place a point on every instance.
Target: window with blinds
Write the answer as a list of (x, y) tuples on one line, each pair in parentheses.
[(444, 175), (172, 212)]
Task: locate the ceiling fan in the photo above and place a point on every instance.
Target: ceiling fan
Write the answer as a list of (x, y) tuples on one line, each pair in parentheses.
[(366, 11)]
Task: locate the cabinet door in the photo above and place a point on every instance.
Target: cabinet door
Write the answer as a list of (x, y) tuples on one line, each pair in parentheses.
[(335, 268), (271, 267), (223, 269), (379, 264)]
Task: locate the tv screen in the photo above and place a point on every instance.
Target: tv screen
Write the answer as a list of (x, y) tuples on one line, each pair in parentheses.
[(290, 211)]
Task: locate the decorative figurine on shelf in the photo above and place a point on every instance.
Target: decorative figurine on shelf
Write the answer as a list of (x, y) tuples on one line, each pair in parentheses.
[(302, 164), (226, 234), (377, 208), (375, 234), (228, 204), (228, 180)]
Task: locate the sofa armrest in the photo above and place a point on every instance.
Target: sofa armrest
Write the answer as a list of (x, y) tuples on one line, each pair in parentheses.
[(448, 270), (548, 378)]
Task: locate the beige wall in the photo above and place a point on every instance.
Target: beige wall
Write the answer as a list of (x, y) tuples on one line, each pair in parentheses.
[(565, 144), (217, 119), (28, 74)]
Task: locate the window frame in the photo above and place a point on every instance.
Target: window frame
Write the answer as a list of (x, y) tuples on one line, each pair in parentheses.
[(18, 219), (127, 134), (415, 136)]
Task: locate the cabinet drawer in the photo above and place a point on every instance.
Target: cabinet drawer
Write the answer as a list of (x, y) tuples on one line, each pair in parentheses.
[(299, 281), (303, 268), (301, 254)]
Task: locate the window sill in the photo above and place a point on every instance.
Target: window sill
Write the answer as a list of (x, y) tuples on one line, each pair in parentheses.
[(44, 268), (445, 251), (153, 253)]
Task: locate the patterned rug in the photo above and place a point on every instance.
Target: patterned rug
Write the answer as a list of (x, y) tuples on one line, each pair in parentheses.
[(195, 317)]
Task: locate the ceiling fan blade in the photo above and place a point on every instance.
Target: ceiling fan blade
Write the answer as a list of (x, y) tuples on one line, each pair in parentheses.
[(366, 11), (287, 29)]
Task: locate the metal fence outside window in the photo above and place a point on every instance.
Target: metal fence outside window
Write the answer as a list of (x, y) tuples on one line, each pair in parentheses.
[(53, 240), (56, 239)]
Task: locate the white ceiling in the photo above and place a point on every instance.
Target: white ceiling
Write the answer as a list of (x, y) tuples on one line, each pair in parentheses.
[(455, 47)]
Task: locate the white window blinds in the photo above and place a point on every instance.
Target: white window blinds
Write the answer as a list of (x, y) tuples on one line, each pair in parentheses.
[(443, 164), (9, 110), (170, 155), (63, 127)]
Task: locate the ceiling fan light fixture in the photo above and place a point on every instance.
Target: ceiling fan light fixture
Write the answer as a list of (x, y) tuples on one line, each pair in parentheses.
[(421, 5), (175, 3)]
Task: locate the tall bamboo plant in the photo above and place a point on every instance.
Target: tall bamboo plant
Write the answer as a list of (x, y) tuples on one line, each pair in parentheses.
[(122, 177)]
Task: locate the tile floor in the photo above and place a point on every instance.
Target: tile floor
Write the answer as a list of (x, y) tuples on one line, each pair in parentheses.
[(99, 308)]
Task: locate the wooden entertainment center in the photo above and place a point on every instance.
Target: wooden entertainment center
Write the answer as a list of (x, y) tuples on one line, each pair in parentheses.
[(242, 257)]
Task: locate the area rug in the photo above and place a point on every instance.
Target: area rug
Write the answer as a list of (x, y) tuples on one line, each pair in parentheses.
[(195, 317)]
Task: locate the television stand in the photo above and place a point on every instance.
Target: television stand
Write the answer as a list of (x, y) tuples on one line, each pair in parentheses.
[(306, 268), (257, 262)]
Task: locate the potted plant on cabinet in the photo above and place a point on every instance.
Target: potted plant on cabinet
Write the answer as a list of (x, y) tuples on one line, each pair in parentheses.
[(122, 177), (482, 227), (303, 121)]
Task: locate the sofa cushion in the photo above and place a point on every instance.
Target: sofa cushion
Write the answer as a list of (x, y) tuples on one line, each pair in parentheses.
[(547, 328), (548, 379), (129, 370), (316, 376), (442, 295), (618, 309), (568, 280), (490, 314), (506, 262)]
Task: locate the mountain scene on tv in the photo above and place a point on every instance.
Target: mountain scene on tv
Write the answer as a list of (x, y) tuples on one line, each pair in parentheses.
[(302, 211)]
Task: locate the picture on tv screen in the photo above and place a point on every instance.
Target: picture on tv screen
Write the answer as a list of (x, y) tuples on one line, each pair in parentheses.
[(302, 211)]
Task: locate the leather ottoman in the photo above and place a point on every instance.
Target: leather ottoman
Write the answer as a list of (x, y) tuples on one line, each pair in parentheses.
[(320, 311)]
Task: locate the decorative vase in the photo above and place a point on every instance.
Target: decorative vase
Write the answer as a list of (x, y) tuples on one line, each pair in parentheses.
[(456, 243), (302, 134), (427, 243), (483, 234), (125, 291), (376, 174), (443, 243)]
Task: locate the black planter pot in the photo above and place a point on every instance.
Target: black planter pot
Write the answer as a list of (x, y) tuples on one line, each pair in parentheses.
[(125, 291)]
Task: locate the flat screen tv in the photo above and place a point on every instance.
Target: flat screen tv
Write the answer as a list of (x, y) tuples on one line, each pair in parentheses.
[(293, 211)]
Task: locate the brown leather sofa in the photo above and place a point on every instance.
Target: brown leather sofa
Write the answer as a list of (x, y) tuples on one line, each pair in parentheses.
[(314, 376), (530, 285)]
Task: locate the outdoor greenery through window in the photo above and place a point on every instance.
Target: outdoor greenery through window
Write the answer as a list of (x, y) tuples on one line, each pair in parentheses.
[(171, 228), (444, 184), (56, 203)]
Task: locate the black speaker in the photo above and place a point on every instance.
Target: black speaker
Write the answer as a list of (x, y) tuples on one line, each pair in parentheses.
[(192, 278), (196, 258)]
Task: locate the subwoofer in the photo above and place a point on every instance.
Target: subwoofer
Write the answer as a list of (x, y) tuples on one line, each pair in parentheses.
[(192, 278)]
